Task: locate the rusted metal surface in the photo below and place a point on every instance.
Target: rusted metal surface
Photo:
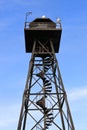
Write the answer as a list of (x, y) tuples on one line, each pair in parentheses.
[(43, 30), (44, 105)]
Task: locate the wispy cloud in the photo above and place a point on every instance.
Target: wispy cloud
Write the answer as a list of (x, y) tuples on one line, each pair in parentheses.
[(78, 93), (19, 3), (10, 117), (11, 111)]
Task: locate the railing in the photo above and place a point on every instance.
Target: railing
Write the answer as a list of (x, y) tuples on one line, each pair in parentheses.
[(42, 25)]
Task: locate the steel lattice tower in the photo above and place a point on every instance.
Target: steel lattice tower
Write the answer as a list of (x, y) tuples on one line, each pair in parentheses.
[(44, 104)]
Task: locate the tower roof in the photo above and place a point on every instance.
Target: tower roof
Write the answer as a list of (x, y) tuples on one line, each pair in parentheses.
[(43, 19)]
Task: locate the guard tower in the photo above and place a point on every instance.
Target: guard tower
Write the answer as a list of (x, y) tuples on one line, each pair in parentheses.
[(44, 104)]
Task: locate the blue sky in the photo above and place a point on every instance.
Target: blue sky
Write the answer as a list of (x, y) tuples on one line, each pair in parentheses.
[(14, 61)]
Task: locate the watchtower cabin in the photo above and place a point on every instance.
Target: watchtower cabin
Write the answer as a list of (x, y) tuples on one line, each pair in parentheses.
[(42, 30)]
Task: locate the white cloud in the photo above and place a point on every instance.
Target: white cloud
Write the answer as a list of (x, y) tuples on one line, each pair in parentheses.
[(77, 97), (9, 115), (78, 93)]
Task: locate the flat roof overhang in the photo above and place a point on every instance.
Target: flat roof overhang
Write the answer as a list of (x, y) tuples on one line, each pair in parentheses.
[(43, 35)]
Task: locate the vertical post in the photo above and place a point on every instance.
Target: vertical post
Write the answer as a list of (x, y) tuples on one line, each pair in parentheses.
[(60, 109), (65, 97), (27, 88)]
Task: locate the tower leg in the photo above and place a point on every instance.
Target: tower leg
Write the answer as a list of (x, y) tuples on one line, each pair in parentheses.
[(45, 105)]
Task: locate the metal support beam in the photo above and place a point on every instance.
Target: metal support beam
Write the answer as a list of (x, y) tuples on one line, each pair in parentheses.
[(44, 105)]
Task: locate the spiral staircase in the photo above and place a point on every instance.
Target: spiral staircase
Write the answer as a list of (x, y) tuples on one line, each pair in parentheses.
[(47, 88)]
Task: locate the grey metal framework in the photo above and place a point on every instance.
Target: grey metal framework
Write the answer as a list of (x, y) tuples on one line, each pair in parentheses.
[(44, 103)]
